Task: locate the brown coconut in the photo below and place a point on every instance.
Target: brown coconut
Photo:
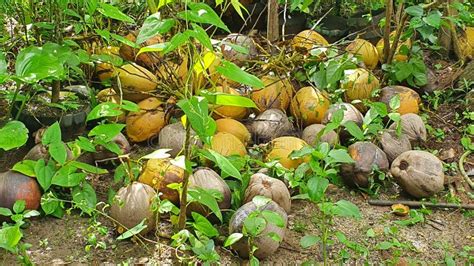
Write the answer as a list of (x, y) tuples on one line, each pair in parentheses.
[(409, 99), (136, 82), (173, 137), (237, 57), (269, 187), (412, 126), (351, 113), (393, 144), (272, 123), (276, 94), (398, 54), (148, 59), (147, 122), (311, 135)]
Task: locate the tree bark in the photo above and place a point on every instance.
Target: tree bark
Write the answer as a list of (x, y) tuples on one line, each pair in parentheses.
[(272, 21)]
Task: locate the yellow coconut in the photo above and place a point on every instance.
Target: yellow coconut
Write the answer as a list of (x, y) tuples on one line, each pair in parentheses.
[(367, 52), (147, 122), (149, 59), (358, 84), (110, 95), (222, 111), (227, 144), (235, 128), (398, 55), (409, 99), (466, 43), (105, 71), (276, 94), (307, 39), (159, 173), (282, 147), (309, 105), (136, 82)]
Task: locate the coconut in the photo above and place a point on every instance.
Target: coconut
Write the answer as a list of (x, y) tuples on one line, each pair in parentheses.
[(412, 126), (147, 122), (270, 124), (173, 137), (277, 94), (229, 52), (399, 56), (110, 95), (282, 147), (409, 99), (235, 112), (159, 173), (105, 71), (227, 144), (367, 52), (351, 113), (102, 153), (358, 84), (311, 135), (262, 185), (235, 128), (147, 59), (136, 82), (393, 144), (307, 40), (309, 105), (466, 43)]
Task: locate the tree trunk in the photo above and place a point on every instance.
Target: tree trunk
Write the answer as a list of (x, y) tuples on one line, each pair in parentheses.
[(272, 21)]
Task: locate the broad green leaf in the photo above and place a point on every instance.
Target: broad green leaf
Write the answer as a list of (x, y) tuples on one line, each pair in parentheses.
[(370, 233), (433, 19), (84, 197), (19, 206), (49, 203), (203, 225), (228, 99), (254, 225), (235, 73), (26, 167), (66, 176), (260, 201), (197, 112), (107, 109), (31, 213), (9, 237), (308, 241), (178, 39), (205, 198), (153, 26), (5, 212), (354, 130), (133, 231), (85, 144), (33, 64), (44, 173), (113, 12), (232, 239), (52, 134), (273, 218), (316, 188), (104, 34), (222, 162), (106, 131), (346, 208), (202, 13), (158, 47), (201, 35), (14, 134), (124, 40), (58, 152), (238, 7), (340, 156), (88, 168), (415, 11), (394, 103), (3, 68), (384, 245)]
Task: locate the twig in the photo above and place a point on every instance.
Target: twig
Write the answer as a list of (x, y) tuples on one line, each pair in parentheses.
[(386, 36), (417, 204), (463, 172)]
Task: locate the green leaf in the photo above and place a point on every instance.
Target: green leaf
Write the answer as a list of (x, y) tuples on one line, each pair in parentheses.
[(222, 162), (158, 154), (3, 68), (19, 206), (232, 239), (107, 109), (154, 25), (260, 201), (354, 130), (84, 197), (202, 13), (125, 41), (113, 12), (384, 245), (88, 168), (370, 233), (201, 35), (273, 218), (66, 176), (34, 64), (158, 47), (219, 98), (178, 39), (316, 188), (26, 167), (10, 237), (340, 156), (202, 225), (235, 73), (309, 240), (57, 150), (133, 231), (5, 212), (415, 11), (197, 112), (44, 173), (85, 144), (106, 131), (52, 134), (49, 203), (205, 198), (346, 208), (254, 225), (14, 134), (433, 19)]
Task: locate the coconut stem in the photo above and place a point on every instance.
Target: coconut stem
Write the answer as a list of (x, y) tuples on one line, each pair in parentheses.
[(184, 193)]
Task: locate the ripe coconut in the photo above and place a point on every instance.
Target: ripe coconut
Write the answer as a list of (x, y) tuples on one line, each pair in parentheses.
[(409, 99), (393, 144), (105, 70), (307, 40), (399, 53), (358, 84), (282, 147), (136, 82), (40, 151), (131, 205), (366, 156), (102, 153), (147, 122), (366, 51), (148, 60), (466, 43), (208, 179), (235, 112), (159, 173), (412, 126), (277, 94), (419, 173), (262, 185), (110, 95), (266, 245), (235, 128), (238, 57), (173, 137), (15, 186), (311, 135), (351, 113), (227, 144), (272, 123), (309, 105)]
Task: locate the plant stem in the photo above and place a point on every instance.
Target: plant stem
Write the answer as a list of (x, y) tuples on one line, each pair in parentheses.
[(386, 36), (184, 194), (55, 91)]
